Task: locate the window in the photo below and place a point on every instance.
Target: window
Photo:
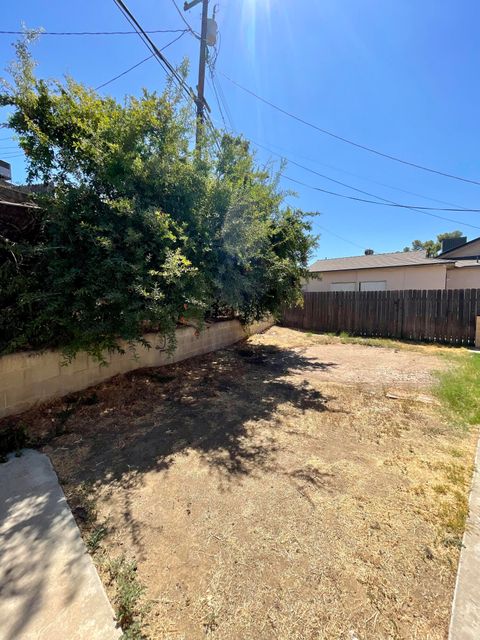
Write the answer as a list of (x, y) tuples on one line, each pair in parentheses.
[(342, 286), (373, 285)]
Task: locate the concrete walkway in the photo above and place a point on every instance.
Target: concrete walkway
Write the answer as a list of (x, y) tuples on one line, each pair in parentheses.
[(465, 621), (49, 588)]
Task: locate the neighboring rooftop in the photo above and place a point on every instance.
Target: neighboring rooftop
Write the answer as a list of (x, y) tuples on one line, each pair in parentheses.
[(396, 259), (470, 249), (17, 212)]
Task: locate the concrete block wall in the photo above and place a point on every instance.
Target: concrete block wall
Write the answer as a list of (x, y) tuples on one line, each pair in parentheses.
[(27, 378)]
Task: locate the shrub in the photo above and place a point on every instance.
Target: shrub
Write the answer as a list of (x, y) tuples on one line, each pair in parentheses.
[(136, 229)]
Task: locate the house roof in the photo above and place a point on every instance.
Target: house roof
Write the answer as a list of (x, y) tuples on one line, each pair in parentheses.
[(374, 261), (455, 249)]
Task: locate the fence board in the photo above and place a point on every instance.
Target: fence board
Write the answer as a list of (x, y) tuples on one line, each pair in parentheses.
[(446, 316)]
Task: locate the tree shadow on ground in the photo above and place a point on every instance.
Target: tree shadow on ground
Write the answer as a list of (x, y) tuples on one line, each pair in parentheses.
[(142, 421)]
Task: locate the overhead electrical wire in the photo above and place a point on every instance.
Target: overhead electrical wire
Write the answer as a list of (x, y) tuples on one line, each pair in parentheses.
[(167, 66), (420, 209), (219, 95), (355, 244), (100, 86), (346, 140), (385, 201), (224, 102), (424, 211), (184, 31), (211, 68), (212, 84), (410, 207), (283, 155), (188, 25), (92, 33), (355, 175), (427, 213)]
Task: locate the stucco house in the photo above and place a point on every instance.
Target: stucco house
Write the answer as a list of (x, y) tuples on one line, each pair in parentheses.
[(457, 267)]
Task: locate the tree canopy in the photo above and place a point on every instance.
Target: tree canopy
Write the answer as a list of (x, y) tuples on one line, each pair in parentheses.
[(135, 229), (433, 247)]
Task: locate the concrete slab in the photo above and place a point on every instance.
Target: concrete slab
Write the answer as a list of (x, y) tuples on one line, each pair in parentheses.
[(465, 621), (49, 588)]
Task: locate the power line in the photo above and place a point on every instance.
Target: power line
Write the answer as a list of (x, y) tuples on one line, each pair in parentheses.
[(225, 103), (219, 95), (212, 83), (356, 175), (187, 24), (92, 33), (184, 31), (346, 140), (100, 86), (427, 213), (385, 201), (163, 61), (355, 244)]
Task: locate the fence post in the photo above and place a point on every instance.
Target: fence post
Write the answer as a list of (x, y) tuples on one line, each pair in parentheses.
[(477, 333)]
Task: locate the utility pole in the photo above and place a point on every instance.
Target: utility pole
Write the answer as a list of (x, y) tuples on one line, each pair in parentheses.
[(200, 101)]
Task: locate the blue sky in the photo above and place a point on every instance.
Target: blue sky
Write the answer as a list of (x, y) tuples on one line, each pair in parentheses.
[(402, 77)]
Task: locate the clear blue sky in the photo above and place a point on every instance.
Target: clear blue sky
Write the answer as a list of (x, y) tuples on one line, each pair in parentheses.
[(402, 77)]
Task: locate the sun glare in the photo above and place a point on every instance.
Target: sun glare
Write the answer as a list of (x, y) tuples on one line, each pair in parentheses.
[(253, 13)]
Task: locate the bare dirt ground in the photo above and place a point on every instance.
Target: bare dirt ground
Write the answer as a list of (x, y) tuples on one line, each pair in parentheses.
[(282, 488)]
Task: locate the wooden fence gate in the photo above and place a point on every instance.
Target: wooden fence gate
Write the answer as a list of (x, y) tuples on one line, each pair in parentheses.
[(440, 315)]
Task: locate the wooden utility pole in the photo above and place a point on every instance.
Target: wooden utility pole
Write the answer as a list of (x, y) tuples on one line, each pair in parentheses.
[(201, 68)]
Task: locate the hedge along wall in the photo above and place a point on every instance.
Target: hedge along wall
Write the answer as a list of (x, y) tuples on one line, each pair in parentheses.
[(27, 378)]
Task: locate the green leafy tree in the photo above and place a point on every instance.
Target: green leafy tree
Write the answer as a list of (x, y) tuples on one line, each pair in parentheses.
[(135, 230), (433, 247)]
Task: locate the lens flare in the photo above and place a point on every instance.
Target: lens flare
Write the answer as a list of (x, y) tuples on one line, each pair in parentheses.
[(253, 13)]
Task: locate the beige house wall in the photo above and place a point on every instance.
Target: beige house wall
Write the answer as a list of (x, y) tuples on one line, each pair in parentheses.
[(397, 278), (27, 378), (463, 278)]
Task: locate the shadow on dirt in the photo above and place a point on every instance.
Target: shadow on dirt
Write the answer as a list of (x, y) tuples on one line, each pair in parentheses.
[(140, 421)]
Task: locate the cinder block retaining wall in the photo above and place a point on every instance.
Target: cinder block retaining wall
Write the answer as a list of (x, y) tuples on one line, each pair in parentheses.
[(30, 377)]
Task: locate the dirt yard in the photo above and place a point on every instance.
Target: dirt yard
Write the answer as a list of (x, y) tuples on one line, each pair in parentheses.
[(285, 488)]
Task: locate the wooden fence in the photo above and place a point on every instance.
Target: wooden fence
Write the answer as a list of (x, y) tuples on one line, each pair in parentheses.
[(446, 316)]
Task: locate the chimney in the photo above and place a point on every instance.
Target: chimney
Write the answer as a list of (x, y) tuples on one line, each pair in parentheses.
[(5, 170), (369, 252), (452, 243)]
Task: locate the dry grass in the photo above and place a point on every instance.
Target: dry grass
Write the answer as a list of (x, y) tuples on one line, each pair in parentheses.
[(305, 337), (284, 488)]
